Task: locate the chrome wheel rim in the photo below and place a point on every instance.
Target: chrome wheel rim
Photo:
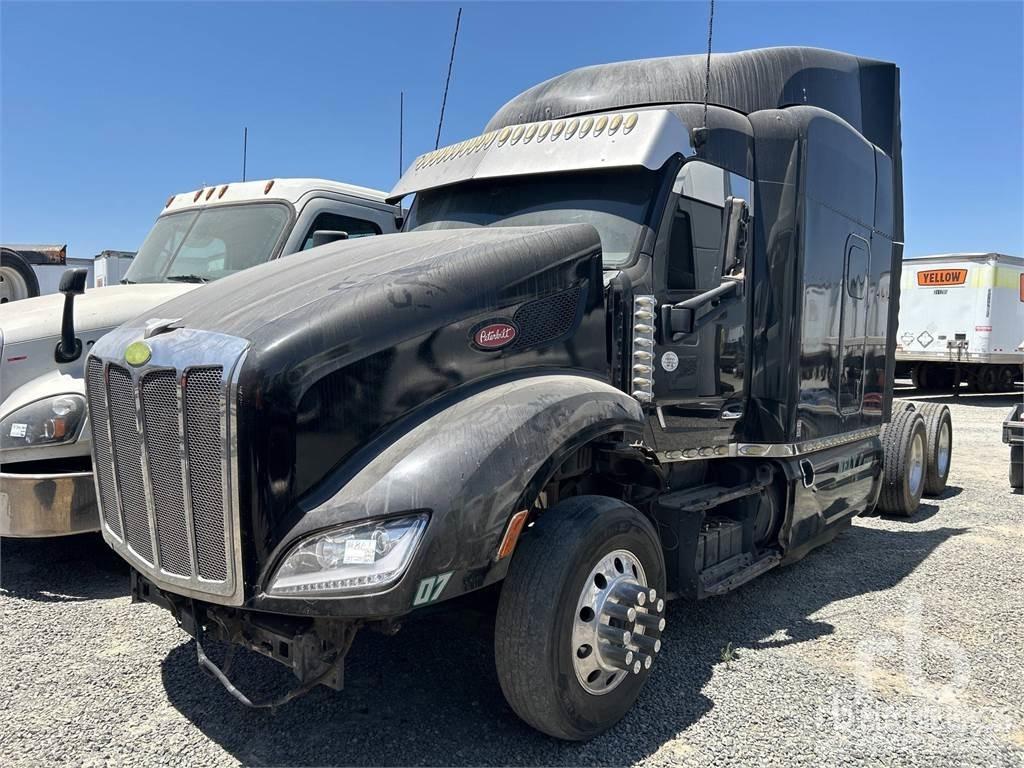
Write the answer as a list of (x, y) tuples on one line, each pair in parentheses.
[(916, 463), (617, 626), (12, 285), (942, 457)]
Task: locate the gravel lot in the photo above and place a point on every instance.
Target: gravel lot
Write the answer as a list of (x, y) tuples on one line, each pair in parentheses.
[(902, 642)]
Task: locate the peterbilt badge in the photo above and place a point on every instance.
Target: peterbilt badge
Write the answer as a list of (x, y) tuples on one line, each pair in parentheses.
[(494, 334)]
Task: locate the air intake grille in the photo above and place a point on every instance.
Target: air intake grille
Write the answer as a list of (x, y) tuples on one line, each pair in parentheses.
[(161, 442), (545, 320)]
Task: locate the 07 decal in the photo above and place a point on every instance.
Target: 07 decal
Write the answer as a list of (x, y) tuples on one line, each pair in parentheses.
[(431, 588)]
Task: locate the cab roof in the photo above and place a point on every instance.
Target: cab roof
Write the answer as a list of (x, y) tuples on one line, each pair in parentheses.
[(290, 190)]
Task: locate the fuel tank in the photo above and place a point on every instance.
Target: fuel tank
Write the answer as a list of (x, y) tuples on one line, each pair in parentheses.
[(353, 341)]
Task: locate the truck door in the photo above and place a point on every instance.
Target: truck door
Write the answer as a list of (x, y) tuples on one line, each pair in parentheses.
[(698, 387)]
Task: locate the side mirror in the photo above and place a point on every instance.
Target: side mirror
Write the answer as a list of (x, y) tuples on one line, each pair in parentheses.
[(72, 283), (735, 230), (325, 236)]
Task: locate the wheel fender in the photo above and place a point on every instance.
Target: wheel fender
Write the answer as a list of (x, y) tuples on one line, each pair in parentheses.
[(468, 466)]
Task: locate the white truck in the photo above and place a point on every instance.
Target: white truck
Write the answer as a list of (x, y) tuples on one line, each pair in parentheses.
[(46, 482), (962, 320)]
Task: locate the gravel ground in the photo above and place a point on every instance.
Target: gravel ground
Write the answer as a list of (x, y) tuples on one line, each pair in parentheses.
[(899, 643)]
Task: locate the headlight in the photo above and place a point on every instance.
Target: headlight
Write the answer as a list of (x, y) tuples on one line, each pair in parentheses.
[(51, 421), (361, 558)]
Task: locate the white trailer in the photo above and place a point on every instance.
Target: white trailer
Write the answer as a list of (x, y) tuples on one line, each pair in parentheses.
[(110, 267), (962, 320)]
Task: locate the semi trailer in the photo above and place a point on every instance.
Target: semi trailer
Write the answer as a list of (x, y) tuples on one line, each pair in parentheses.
[(962, 321), (588, 377), (46, 484)]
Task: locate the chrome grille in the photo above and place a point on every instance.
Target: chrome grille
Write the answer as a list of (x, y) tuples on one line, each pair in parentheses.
[(101, 445), (163, 436), (203, 412)]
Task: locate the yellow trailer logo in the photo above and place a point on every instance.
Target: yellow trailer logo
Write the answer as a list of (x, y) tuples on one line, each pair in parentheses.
[(932, 277)]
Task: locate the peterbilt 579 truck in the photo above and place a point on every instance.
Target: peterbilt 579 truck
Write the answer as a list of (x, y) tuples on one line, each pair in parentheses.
[(46, 484), (584, 376)]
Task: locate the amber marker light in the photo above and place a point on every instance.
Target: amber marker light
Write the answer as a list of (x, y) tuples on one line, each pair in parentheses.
[(266, 189), (515, 527)]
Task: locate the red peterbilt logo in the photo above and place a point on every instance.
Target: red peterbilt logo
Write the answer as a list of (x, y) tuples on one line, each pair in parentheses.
[(494, 335)]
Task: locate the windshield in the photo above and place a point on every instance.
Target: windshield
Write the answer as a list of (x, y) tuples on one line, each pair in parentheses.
[(615, 202), (206, 244)]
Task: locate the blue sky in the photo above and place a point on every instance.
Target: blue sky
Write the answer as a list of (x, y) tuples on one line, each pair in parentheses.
[(109, 108)]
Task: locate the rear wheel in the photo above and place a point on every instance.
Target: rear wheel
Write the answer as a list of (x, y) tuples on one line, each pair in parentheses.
[(1017, 466), (580, 617), (1007, 378), (904, 444), (939, 446), (17, 280)]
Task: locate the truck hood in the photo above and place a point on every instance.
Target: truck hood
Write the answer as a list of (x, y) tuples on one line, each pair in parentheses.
[(97, 308)]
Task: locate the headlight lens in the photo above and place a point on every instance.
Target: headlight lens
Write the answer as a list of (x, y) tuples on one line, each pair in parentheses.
[(51, 421), (362, 558)]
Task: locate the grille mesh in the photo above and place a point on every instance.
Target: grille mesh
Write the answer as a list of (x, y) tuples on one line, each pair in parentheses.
[(97, 390), (547, 319), (160, 412), (128, 456), (204, 415)]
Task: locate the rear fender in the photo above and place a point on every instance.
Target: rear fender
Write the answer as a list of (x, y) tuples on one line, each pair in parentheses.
[(469, 466)]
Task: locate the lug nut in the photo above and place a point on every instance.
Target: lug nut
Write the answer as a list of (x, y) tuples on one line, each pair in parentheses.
[(619, 656), (636, 667), (645, 660), (630, 593), (620, 612), (647, 644), (652, 595), (614, 634), (660, 606), (650, 621)]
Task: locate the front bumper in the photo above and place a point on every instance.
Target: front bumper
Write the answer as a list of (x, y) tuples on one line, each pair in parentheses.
[(38, 505)]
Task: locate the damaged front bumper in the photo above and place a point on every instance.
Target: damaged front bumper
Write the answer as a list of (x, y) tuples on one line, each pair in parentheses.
[(48, 504), (314, 649)]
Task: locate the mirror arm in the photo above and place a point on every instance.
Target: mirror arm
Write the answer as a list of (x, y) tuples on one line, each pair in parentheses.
[(680, 320)]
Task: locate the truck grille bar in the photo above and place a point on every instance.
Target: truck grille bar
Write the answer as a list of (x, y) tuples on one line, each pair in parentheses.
[(163, 443)]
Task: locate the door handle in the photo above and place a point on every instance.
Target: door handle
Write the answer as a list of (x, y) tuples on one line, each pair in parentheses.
[(731, 412)]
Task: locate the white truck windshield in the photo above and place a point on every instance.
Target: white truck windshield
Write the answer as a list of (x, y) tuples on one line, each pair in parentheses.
[(206, 244), (614, 202)]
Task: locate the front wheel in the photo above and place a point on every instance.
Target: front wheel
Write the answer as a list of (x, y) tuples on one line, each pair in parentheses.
[(580, 617)]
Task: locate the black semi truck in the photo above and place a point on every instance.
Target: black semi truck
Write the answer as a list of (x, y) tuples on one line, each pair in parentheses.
[(628, 348)]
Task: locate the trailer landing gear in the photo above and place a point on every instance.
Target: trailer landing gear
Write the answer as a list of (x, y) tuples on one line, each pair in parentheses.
[(580, 616)]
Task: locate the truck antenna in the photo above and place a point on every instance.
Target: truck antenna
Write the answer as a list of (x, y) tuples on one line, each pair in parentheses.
[(451, 61), (245, 148), (700, 135), (401, 126)]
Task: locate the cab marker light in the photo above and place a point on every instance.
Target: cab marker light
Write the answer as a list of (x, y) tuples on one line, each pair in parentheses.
[(630, 122), (517, 133), (210, 193), (503, 137), (530, 133), (570, 129), (222, 191), (543, 133), (600, 124), (266, 189), (556, 131), (585, 128), (199, 192), (614, 125), (515, 527), (169, 201)]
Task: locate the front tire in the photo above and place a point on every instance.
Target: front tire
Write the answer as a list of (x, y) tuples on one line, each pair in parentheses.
[(585, 558)]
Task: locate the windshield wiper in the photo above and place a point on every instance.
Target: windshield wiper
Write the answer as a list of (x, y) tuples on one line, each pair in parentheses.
[(187, 279)]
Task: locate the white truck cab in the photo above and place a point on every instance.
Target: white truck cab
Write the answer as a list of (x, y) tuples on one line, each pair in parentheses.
[(46, 483)]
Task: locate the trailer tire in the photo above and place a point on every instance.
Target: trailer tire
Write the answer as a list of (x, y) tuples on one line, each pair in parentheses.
[(17, 278), (919, 377), (537, 647), (1017, 467), (938, 426), (904, 444), (1007, 378)]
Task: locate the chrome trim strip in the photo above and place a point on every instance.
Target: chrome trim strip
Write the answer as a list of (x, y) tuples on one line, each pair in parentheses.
[(641, 371), (147, 483), (767, 450), (123, 539)]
